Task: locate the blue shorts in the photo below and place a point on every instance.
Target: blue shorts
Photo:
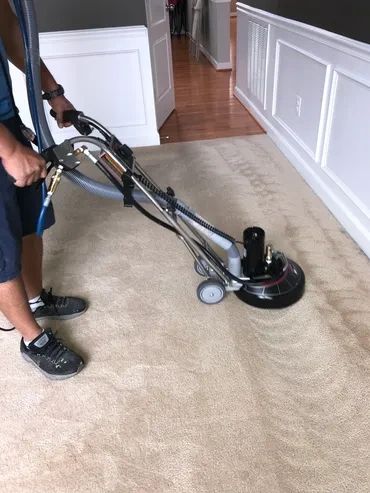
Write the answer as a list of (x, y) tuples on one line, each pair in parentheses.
[(19, 212)]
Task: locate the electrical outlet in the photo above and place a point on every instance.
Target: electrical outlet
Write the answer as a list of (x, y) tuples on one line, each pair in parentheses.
[(298, 105)]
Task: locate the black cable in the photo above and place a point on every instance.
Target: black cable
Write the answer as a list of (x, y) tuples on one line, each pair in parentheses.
[(172, 201), (153, 218), (7, 330), (209, 254), (213, 257)]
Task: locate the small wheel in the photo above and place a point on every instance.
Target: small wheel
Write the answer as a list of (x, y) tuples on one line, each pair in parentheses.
[(211, 292), (202, 269)]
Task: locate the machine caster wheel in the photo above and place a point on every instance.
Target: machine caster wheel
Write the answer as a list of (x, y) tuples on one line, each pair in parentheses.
[(202, 269), (211, 292)]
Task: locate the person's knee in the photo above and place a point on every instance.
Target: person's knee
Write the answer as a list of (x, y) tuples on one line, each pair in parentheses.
[(10, 262), (7, 277)]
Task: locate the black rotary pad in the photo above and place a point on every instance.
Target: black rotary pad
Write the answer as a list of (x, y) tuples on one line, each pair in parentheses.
[(279, 292)]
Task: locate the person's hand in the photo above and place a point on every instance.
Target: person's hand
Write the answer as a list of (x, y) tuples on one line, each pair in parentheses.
[(24, 165), (59, 105)]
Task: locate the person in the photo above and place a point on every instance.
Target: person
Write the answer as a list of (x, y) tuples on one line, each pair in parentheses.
[(23, 299)]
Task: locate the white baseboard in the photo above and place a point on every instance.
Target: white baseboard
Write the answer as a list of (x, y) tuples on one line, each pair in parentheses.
[(349, 220), (214, 62), (107, 74)]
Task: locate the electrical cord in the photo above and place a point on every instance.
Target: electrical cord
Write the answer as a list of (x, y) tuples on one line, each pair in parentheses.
[(153, 218), (212, 257), (173, 202), (203, 248)]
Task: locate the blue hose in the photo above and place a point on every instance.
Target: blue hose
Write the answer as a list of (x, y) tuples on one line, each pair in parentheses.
[(41, 221), (33, 110), (28, 24), (42, 217), (29, 75)]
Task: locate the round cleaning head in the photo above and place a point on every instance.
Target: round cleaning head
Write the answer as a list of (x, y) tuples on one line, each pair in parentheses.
[(279, 290)]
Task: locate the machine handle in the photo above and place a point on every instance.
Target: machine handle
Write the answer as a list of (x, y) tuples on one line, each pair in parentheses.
[(73, 117)]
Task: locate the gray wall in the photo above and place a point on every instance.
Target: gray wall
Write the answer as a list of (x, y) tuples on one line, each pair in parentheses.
[(347, 17), (269, 5), (189, 15), (64, 15), (216, 30)]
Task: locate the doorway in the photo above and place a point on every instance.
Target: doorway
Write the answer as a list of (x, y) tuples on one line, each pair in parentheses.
[(205, 106)]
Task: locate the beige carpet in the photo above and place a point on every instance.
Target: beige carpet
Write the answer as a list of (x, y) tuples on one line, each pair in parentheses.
[(183, 397)]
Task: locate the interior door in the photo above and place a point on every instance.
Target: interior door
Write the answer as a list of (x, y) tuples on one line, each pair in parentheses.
[(161, 54)]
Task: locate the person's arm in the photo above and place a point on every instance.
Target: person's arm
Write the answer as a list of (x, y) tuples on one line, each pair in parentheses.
[(20, 162), (12, 38)]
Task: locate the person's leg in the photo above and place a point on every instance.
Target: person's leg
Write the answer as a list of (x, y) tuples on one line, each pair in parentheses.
[(13, 297), (18, 217), (14, 305), (45, 305), (32, 251)]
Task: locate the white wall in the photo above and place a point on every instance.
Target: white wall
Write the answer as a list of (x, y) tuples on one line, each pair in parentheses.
[(106, 74), (310, 89)]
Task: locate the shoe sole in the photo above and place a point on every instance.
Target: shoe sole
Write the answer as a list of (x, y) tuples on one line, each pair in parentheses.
[(63, 317), (47, 375)]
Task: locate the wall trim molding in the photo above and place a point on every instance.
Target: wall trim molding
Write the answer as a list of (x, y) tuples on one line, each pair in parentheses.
[(315, 109), (324, 162), (129, 31), (78, 57), (343, 214), (353, 47), (313, 153), (217, 65)]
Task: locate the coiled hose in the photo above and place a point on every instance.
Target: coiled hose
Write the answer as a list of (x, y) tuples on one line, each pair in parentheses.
[(26, 13)]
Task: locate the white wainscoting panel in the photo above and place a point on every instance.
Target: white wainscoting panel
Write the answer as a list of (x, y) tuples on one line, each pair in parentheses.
[(107, 74), (294, 101), (162, 73), (346, 156), (315, 108)]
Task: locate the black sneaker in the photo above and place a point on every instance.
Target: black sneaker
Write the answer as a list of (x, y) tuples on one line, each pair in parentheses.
[(59, 307), (52, 357)]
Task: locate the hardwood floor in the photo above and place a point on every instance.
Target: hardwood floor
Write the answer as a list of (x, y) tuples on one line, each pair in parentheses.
[(205, 105)]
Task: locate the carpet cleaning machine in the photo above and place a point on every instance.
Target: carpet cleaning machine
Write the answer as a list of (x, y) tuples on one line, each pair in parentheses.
[(260, 276)]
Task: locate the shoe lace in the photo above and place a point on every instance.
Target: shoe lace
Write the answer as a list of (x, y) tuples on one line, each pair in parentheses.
[(54, 349), (51, 300)]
